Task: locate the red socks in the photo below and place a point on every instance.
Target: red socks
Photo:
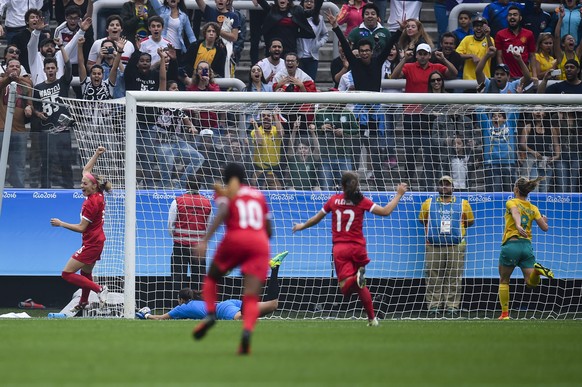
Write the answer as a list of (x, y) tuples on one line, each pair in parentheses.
[(366, 299), (350, 286), (209, 294), (80, 281), (85, 291), (250, 312)]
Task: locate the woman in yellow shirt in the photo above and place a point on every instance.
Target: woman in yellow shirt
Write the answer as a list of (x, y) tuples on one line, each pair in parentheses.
[(545, 60), (516, 249)]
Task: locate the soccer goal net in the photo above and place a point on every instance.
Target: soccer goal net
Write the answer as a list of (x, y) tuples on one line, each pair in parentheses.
[(295, 147)]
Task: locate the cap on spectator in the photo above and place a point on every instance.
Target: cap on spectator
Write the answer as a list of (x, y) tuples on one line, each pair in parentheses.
[(46, 41), (446, 178), (480, 19), (423, 47), (572, 62), (503, 67), (206, 132)]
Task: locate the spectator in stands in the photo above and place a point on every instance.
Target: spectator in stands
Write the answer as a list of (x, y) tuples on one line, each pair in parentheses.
[(96, 87), (462, 163), (239, 44), (500, 82), (339, 137), (499, 149), (474, 47), (288, 22), (202, 80), (292, 78), (114, 29), (21, 39), (86, 7), (256, 19), (229, 27), (567, 169), (214, 158), (15, 20), (257, 81), (514, 39), (545, 60), (366, 68), (339, 66), (273, 63), (151, 43), (134, 15), (445, 218), (448, 46), (176, 23), (536, 19), (403, 10), (496, 14), (303, 156), (105, 59), (413, 36), (371, 29), (11, 52), (308, 49), (22, 111), (52, 137), (267, 139), (48, 49), (188, 218), (569, 20), (140, 74), (442, 17), (541, 142), (237, 151), (67, 30), (571, 85), (208, 48), (350, 14), (566, 50), (465, 28)]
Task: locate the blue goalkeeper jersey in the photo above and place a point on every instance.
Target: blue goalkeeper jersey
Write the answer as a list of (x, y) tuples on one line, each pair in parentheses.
[(196, 310)]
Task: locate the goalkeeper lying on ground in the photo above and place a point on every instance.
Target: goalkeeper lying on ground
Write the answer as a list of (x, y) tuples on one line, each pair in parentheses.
[(188, 308)]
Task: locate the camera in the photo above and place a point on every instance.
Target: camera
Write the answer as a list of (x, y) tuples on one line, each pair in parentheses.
[(204, 72), (556, 73), (110, 50), (65, 120)]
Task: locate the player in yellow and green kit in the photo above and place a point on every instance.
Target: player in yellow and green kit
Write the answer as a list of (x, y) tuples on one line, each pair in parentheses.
[(516, 247)]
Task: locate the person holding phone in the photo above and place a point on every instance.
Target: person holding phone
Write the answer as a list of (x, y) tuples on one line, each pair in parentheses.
[(203, 79)]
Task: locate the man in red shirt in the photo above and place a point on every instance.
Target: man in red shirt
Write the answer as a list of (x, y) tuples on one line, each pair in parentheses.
[(515, 39), (416, 73), (243, 210)]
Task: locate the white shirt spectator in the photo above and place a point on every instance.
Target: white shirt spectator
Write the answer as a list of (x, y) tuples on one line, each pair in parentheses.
[(15, 11), (401, 8), (66, 35), (269, 68), (150, 46), (128, 49)]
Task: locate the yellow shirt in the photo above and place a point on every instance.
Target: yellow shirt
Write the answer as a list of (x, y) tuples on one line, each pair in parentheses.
[(528, 212), (470, 46), (545, 64), (204, 54), (563, 63), (268, 154), (467, 216)]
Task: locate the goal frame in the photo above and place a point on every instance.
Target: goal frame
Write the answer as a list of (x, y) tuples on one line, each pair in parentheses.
[(133, 98)]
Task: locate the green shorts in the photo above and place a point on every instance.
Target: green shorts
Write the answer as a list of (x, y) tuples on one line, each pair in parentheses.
[(517, 253)]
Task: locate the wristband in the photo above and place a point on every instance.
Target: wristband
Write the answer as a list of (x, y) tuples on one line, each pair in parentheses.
[(120, 52)]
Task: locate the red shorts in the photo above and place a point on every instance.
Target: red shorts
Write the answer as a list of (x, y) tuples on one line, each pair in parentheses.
[(251, 254), (88, 254), (347, 258)]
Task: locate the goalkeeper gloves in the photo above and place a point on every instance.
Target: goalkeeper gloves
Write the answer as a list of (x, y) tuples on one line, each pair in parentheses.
[(143, 313)]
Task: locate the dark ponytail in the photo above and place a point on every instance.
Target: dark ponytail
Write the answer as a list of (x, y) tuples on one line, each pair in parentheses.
[(351, 187)]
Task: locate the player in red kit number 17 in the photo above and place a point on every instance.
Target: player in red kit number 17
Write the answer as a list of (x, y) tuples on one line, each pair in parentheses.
[(243, 210), (349, 245)]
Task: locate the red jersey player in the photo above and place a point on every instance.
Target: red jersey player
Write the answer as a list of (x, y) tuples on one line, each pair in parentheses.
[(91, 226), (349, 245), (243, 210)]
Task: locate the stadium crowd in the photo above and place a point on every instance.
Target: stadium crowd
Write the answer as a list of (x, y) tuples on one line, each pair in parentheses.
[(160, 45)]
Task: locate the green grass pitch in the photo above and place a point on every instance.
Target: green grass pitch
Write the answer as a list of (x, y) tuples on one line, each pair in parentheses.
[(46, 352)]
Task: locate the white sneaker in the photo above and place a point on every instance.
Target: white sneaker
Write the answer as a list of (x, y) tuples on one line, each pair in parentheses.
[(103, 295), (373, 322), (360, 277)]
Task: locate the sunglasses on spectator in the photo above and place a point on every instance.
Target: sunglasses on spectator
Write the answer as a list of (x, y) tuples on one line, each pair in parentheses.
[(433, 80), (14, 51)]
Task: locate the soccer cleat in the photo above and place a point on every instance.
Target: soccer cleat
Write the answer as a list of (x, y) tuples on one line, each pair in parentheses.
[(543, 270), (277, 260), (361, 277), (245, 343), (373, 322), (102, 295), (77, 309), (433, 312), (504, 316), (453, 313), (202, 328), (29, 304)]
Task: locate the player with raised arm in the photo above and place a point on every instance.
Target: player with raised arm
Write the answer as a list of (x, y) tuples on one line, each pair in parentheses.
[(190, 308), (516, 249), (350, 256), (243, 210), (91, 226)]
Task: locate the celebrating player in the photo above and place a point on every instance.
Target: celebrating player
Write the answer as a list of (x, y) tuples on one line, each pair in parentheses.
[(516, 247), (349, 245), (243, 210), (91, 226), (225, 310)]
